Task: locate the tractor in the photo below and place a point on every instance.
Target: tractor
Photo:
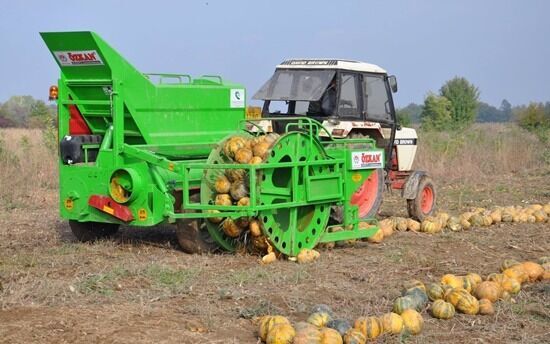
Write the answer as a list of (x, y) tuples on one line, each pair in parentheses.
[(143, 149)]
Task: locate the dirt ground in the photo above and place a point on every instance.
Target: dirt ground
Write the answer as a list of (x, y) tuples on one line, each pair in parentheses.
[(140, 288)]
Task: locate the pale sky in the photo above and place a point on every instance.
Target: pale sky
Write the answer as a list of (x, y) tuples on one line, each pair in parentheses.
[(503, 47)]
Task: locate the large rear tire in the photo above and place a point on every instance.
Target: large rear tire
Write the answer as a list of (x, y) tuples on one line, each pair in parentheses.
[(369, 195), (424, 203), (193, 238), (92, 231)]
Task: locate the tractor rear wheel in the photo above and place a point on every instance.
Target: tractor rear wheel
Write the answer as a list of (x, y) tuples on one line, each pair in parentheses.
[(192, 236), (424, 204), (92, 231)]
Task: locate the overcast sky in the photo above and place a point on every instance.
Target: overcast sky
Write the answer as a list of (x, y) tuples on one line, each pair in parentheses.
[(503, 47)]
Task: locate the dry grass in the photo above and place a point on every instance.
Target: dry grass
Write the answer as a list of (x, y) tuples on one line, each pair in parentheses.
[(480, 153)]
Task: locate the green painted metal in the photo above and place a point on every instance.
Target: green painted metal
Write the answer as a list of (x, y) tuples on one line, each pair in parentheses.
[(162, 141)]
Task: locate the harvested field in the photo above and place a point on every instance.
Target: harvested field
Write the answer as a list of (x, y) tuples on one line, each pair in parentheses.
[(139, 288)]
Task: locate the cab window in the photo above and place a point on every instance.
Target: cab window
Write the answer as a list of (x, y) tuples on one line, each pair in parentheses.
[(348, 104), (375, 98)]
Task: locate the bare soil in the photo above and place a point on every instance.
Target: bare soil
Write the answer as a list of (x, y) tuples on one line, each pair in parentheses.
[(139, 288)]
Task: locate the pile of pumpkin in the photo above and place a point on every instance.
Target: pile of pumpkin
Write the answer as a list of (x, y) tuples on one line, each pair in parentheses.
[(468, 294), (322, 328), (232, 187)]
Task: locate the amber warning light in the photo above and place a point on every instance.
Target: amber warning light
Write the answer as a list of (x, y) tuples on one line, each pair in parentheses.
[(53, 92)]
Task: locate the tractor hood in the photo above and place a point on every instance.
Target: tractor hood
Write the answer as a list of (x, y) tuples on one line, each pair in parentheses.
[(296, 84)]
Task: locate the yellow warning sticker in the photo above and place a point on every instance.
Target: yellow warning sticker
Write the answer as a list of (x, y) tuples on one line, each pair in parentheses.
[(142, 214), (171, 166), (69, 204), (108, 210), (356, 177)]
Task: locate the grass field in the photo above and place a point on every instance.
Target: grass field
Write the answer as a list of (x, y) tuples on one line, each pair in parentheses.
[(139, 288)]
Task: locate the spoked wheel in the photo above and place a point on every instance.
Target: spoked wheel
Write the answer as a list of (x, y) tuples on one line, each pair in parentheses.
[(292, 228), (92, 231), (424, 203), (192, 236), (368, 198)]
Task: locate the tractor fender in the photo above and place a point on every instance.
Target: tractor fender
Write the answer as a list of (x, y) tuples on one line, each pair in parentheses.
[(410, 188)]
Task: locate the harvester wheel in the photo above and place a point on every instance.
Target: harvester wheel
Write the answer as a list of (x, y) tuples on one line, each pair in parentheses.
[(424, 203), (369, 195), (192, 236), (92, 231)]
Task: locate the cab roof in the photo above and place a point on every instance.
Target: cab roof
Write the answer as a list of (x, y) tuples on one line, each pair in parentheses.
[(327, 63)]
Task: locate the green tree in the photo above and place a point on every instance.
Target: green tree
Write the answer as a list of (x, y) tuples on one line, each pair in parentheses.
[(437, 112), (403, 117), (506, 109), (17, 109), (533, 116), (464, 98)]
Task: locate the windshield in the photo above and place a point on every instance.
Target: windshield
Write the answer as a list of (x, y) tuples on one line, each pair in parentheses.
[(296, 84)]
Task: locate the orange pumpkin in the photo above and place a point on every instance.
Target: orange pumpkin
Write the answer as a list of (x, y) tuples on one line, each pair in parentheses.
[(330, 336), (243, 155), (412, 321), (391, 323), (486, 307), (268, 322), (517, 272), (452, 280), (354, 336), (281, 334), (533, 270), (488, 290), (468, 304), (377, 237), (369, 326)]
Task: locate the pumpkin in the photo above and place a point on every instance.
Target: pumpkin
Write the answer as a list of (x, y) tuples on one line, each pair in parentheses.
[(531, 219), (413, 225), (435, 291), (244, 202), (466, 216), (508, 263), (517, 272), (507, 216), (307, 255), (401, 224), (319, 319), (412, 284), (232, 145), (488, 290), (281, 334), (544, 260), (239, 190), (452, 280), (442, 310), (533, 270), (330, 336), (387, 222), (505, 296), (377, 237), (454, 224), (430, 227), (412, 321), (468, 304), (254, 228), (443, 217), (387, 230), (230, 228), (510, 285), (242, 222), (546, 208), (268, 322), (256, 160), (455, 295), (260, 150), (243, 155), (496, 216), (322, 308), (214, 219), (369, 326), (465, 224), (222, 184), (391, 323), (223, 199), (269, 258), (487, 220), (402, 303), (486, 307), (476, 220), (354, 336), (259, 242), (307, 334), (466, 284), (419, 296), (235, 175), (474, 278), (340, 325), (271, 138)]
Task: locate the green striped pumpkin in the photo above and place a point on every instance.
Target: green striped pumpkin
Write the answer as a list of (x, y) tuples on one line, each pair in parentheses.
[(435, 291), (442, 310)]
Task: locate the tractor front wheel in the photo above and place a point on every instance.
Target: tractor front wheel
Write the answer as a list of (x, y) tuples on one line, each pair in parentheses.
[(424, 203), (92, 231)]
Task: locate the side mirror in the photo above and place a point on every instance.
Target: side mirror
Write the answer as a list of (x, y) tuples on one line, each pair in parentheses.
[(392, 80)]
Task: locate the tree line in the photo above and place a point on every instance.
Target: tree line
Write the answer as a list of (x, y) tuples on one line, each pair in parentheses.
[(25, 111)]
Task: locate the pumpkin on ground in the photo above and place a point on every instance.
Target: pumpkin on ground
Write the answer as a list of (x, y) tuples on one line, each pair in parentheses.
[(387, 230), (435, 291), (488, 290), (429, 226), (474, 278), (468, 305), (413, 225), (533, 270), (452, 280), (307, 255), (340, 325), (391, 323), (540, 216), (442, 310), (354, 336), (281, 334), (401, 224), (377, 237), (319, 319), (476, 220), (465, 224), (496, 216), (412, 284), (322, 308), (402, 303), (268, 322), (486, 307), (454, 224), (307, 335), (516, 272), (412, 321), (419, 296), (369, 326), (455, 295), (466, 284), (330, 336), (508, 263)]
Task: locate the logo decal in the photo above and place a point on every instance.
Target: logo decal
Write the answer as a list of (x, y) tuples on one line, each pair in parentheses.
[(78, 58), (367, 160), (236, 98)]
